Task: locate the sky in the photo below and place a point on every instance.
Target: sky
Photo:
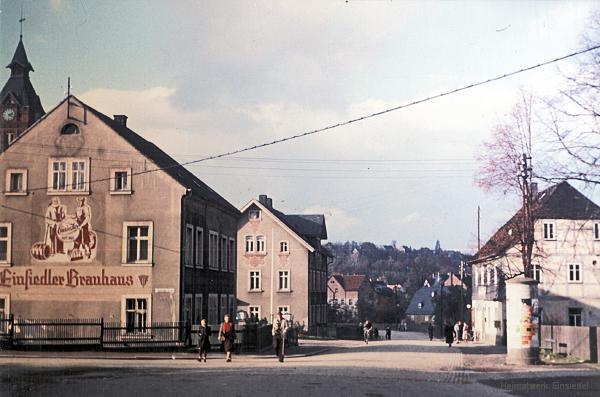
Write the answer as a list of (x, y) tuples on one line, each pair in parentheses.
[(200, 78)]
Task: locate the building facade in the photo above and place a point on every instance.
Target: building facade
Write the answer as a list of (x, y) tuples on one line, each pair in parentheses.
[(282, 266), (97, 222), (565, 263), (353, 293)]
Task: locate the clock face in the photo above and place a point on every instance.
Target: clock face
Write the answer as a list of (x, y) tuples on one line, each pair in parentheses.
[(8, 114)]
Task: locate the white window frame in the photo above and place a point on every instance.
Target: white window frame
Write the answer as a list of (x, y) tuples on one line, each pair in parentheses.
[(214, 298), (13, 171), (68, 190), (6, 298), (249, 243), (258, 312), (232, 255), (536, 267), (261, 239), (199, 247), (579, 273), (549, 231), (188, 247), (286, 309), (287, 247), (125, 243), (223, 252), (8, 239), (124, 308), (11, 136), (197, 316), (258, 288), (113, 181), (288, 280)]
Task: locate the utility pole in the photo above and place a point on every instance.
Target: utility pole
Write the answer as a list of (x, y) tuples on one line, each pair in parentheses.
[(462, 303), (527, 221), (478, 228)]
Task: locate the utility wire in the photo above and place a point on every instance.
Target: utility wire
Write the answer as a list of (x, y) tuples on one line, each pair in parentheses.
[(358, 119)]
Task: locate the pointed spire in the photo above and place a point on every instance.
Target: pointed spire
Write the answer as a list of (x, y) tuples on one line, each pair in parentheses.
[(19, 62)]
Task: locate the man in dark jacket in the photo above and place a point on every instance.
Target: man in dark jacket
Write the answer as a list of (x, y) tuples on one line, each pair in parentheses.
[(449, 332), (430, 331)]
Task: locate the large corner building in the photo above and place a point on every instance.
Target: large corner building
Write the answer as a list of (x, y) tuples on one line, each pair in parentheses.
[(97, 222)]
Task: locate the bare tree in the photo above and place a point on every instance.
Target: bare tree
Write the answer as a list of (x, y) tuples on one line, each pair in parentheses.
[(500, 157), (505, 166), (573, 117)]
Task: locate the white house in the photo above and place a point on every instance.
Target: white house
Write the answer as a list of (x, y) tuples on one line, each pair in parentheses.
[(565, 262)]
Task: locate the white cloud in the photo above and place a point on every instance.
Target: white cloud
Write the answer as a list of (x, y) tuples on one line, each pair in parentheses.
[(337, 220), (56, 5), (410, 218)]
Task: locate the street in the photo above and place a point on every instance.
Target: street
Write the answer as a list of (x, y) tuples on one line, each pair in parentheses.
[(408, 365)]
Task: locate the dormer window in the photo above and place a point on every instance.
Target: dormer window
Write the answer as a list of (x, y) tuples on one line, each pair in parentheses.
[(254, 215), (69, 129), (420, 305)]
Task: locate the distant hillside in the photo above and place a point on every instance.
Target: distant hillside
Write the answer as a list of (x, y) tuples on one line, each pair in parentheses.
[(395, 264)]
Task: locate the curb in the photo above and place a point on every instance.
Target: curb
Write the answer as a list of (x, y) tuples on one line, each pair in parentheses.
[(189, 357)]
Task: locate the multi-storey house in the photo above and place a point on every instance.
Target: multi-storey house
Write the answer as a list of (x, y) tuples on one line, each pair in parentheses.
[(98, 222), (282, 266), (565, 263)]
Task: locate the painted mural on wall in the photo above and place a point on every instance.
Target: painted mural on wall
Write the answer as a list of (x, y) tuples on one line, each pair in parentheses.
[(66, 237)]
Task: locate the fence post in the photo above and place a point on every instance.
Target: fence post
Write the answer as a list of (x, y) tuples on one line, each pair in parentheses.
[(102, 333), (188, 332), (11, 329)]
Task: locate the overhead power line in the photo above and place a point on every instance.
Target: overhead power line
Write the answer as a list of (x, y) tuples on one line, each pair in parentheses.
[(362, 118)]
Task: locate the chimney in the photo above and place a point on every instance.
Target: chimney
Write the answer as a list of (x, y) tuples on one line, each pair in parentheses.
[(534, 190), (121, 119), (262, 198), (269, 202)]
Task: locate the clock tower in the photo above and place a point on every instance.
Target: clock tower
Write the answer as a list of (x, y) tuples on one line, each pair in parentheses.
[(20, 106)]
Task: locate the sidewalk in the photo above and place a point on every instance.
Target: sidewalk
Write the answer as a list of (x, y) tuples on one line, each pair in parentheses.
[(304, 349), (480, 357)]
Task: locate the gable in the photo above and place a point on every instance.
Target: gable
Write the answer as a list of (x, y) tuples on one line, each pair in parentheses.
[(267, 212)]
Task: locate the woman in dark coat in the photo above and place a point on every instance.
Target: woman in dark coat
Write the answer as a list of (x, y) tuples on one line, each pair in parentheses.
[(449, 332), (203, 340), (227, 336)]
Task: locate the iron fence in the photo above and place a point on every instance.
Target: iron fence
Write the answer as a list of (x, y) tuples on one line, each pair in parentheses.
[(110, 335)]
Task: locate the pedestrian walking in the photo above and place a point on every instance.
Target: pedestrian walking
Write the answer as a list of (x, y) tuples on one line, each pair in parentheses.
[(449, 332), (280, 326), (430, 331), (388, 333), (460, 331), (367, 326), (227, 336), (457, 334), (203, 340), (465, 332)]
